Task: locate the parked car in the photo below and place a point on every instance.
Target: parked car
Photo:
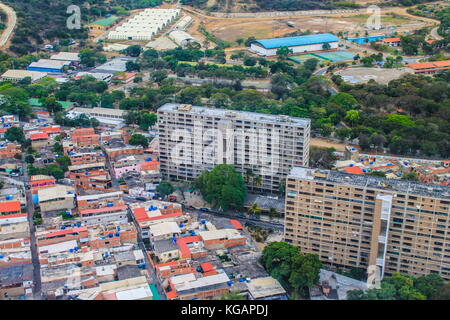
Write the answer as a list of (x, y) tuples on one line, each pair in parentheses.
[(204, 209)]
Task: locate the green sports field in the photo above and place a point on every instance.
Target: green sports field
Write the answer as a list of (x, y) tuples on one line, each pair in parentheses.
[(323, 56)]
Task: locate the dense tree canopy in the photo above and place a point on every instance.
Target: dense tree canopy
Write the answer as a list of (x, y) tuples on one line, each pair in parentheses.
[(223, 187)]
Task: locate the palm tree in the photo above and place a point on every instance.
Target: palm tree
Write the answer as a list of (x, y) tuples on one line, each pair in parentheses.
[(248, 175), (254, 209), (273, 213), (257, 181)]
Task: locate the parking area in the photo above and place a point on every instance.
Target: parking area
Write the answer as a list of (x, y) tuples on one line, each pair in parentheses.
[(380, 75)]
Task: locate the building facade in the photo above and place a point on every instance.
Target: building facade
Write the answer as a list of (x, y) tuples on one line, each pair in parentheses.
[(361, 221), (193, 139)]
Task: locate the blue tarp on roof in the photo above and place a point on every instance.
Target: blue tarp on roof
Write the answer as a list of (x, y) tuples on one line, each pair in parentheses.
[(297, 41)]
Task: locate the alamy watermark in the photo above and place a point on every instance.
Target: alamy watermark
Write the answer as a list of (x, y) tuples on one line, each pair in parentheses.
[(74, 21)]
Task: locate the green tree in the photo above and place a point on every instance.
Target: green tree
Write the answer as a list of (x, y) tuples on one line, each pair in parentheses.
[(223, 187), (232, 295), (284, 52), (305, 271), (133, 51), (164, 188), (352, 116), (410, 176), (15, 134), (344, 100), (51, 105), (64, 162), (254, 210), (138, 139), (29, 158)]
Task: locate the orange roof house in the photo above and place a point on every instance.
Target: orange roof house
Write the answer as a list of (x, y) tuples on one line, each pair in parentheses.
[(10, 207), (389, 40), (430, 67), (38, 136), (354, 170)]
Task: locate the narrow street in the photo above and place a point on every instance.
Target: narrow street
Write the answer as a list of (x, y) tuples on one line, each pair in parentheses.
[(33, 244)]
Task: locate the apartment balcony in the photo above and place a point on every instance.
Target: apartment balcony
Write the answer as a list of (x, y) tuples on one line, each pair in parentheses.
[(380, 262), (382, 239)]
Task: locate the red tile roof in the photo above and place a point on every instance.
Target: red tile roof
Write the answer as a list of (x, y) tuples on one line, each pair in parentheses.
[(391, 40), (105, 209), (354, 170), (207, 266), (38, 136), (430, 65), (63, 232), (183, 244), (51, 129), (10, 206), (15, 215), (236, 224)]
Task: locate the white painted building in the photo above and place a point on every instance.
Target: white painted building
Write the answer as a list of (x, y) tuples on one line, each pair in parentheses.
[(145, 25)]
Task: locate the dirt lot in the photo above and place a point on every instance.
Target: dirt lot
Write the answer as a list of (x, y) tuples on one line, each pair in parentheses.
[(380, 75), (328, 143), (230, 30)]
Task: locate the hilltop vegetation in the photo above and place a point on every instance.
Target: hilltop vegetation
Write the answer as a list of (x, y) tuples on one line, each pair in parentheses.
[(44, 21)]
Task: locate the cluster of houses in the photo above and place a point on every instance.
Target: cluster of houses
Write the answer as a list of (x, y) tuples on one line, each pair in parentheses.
[(102, 229)]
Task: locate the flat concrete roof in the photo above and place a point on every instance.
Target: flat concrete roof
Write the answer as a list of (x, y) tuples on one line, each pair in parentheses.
[(234, 114)]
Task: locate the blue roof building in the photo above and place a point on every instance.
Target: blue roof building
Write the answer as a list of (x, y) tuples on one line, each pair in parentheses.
[(308, 43)]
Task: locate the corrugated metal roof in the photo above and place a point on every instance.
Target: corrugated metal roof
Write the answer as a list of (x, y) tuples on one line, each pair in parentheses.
[(297, 41)]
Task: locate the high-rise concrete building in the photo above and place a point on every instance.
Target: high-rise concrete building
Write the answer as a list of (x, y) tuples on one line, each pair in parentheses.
[(262, 147), (361, 221)]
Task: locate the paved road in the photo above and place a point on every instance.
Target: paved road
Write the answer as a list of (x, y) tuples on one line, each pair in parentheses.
[(11, 24), (34, 255)]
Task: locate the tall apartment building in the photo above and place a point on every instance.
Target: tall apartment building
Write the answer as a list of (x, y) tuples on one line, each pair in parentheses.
[(193, 139), (361, 221)]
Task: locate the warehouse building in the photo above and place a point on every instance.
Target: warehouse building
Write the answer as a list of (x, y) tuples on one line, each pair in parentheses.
[(145, 25), (181, 38), (300, 44), (103, 115), (184, 23), (18, 75), (72, 57), (49, 66)]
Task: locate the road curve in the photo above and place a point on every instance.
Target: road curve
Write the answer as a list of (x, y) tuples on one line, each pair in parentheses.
[(10, 24)]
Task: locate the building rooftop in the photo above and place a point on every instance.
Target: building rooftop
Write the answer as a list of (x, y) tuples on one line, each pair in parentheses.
[(190, 283), (166, 245), (367, 181), (16, 274), (56, 192), (234, 115), (220, 234), (49, 64), (265, 287), (297, 41), (9, 206), (66, 56), (429, 65), (23, 74), (164, 228)]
